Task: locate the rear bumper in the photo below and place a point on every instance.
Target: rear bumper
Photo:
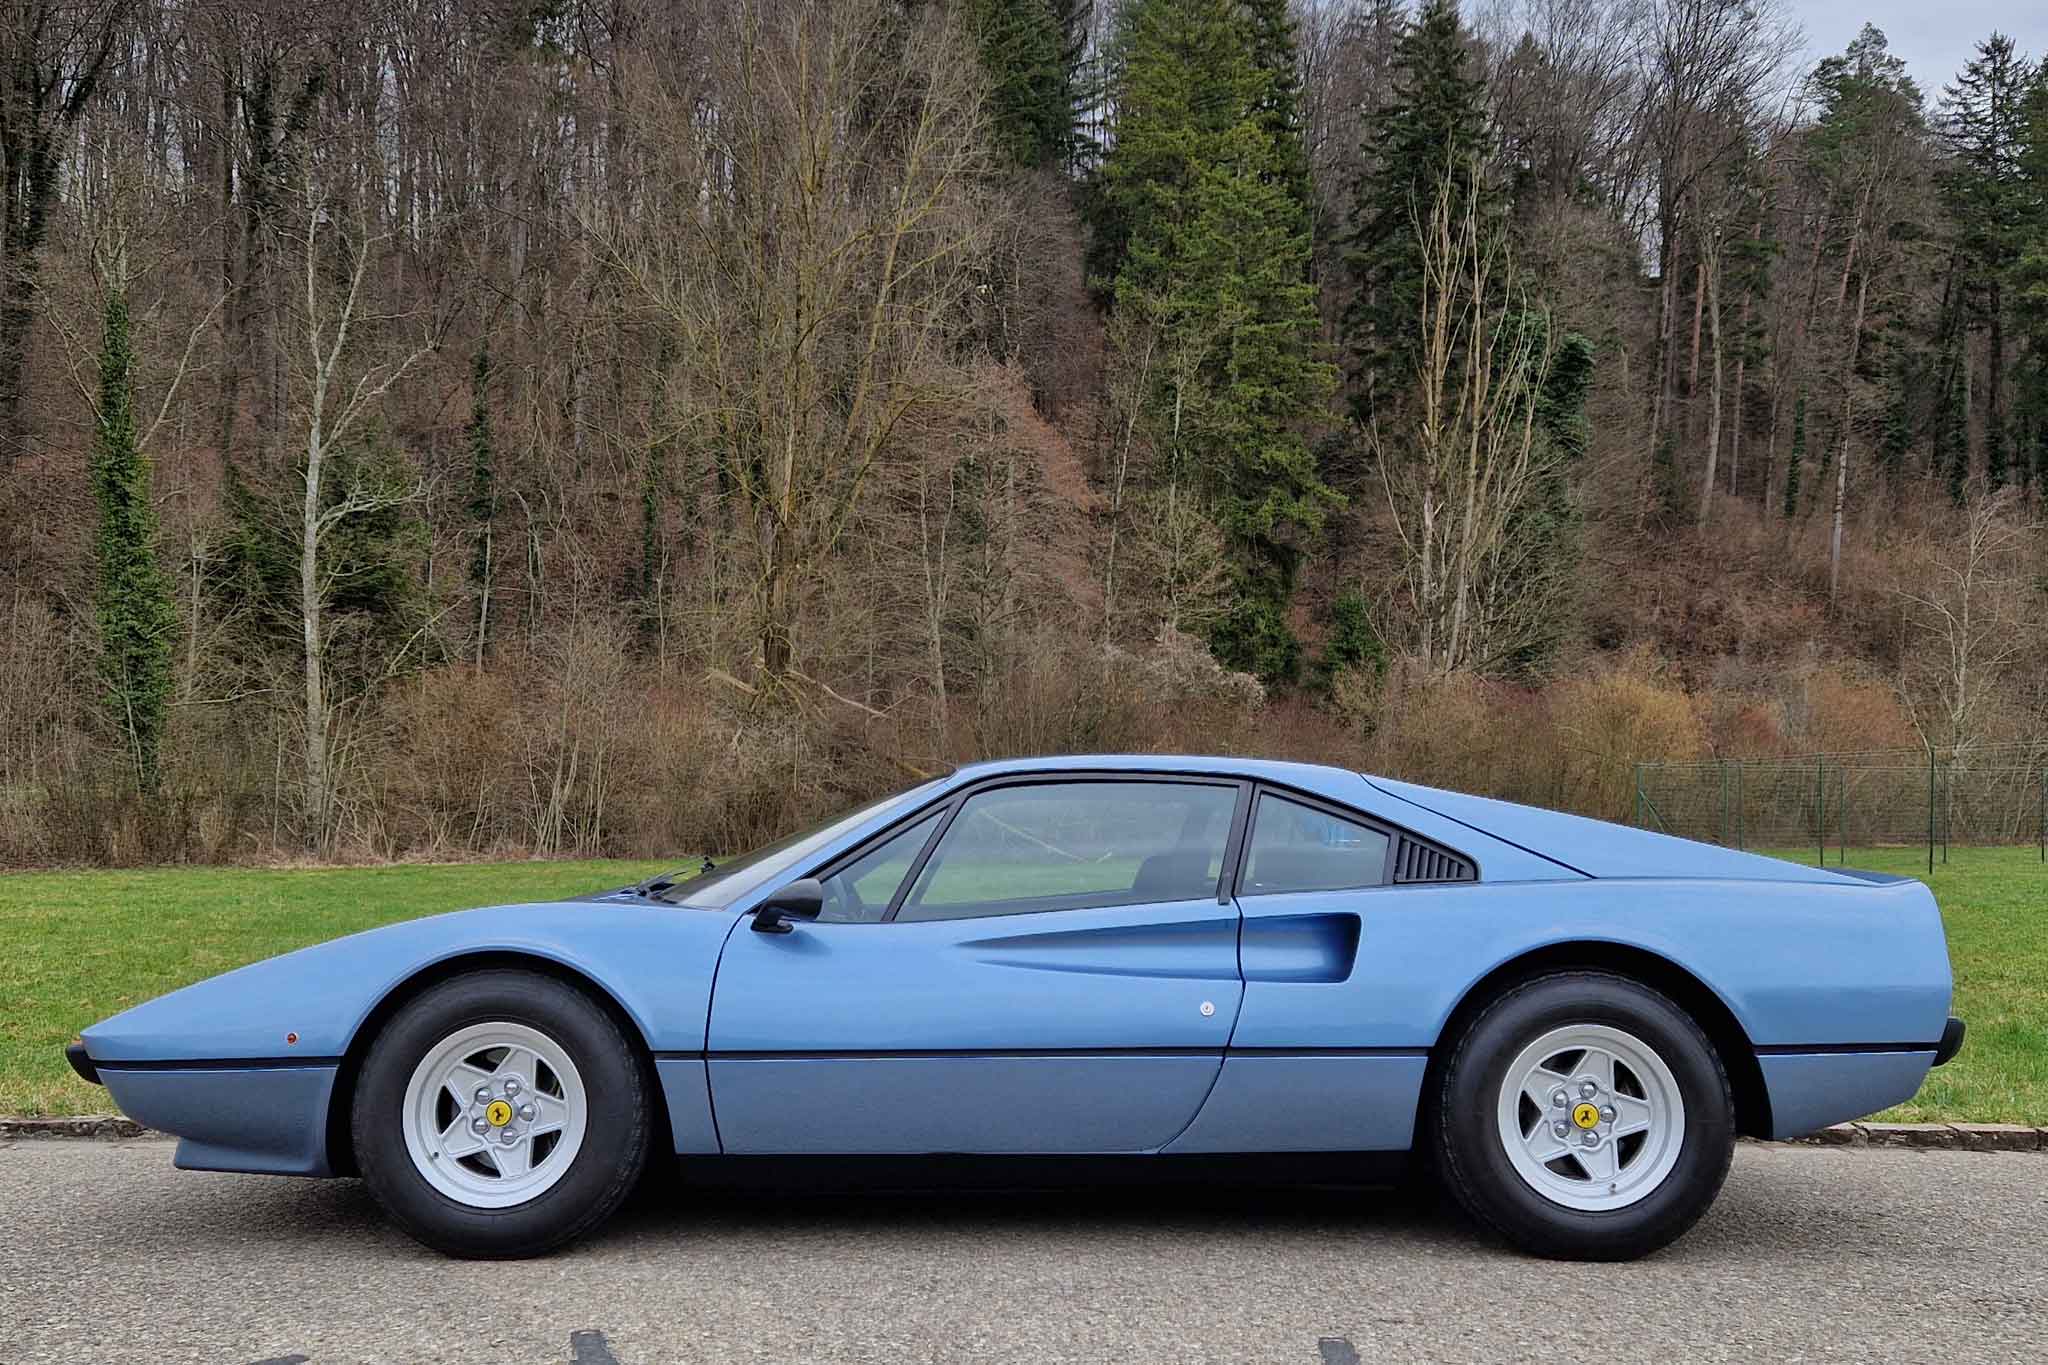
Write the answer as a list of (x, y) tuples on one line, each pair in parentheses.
[(1951, 1041), (1810, 1091)]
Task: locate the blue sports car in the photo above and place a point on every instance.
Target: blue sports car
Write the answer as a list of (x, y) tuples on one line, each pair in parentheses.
[(1571, 1021)]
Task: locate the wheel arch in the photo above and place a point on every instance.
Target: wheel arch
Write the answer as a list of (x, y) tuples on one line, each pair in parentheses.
[(1660, 973), (340, 1141)]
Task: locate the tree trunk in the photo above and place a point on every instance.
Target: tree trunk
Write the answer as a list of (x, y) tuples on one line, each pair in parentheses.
[(1711, 278), (1842, 457), (318, 782), (1699, 298), (28, 183)]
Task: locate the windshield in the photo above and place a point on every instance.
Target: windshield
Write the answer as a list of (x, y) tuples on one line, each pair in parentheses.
[(725, 883)]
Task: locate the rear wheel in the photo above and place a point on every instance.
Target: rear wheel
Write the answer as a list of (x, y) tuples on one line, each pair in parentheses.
[(1585, 1116), (501, 1114)]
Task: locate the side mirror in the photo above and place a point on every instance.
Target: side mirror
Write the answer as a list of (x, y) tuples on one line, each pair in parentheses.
[(803, 898)]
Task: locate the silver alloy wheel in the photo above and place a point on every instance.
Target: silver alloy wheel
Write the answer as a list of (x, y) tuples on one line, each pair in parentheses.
[(1591, 1117), (494, 1115)]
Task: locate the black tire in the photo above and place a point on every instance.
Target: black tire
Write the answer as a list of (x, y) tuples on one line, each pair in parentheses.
[(605, 1167), (1471, 1157)]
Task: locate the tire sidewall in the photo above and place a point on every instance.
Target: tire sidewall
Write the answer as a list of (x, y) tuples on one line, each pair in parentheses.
[(614, 1147), (1469, 1129)]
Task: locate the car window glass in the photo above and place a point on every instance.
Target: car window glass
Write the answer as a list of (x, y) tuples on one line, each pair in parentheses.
[(860, 892), (1068, 845), (1295, 847), (735, 877)]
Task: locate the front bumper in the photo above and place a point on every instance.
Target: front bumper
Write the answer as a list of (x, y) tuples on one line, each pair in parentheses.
[(75, 1054), (1951, 1041)]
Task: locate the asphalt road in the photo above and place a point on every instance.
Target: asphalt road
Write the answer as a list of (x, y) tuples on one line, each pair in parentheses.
[(1811, 1253)]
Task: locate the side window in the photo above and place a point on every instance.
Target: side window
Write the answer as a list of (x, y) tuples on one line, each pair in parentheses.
[(1069, 845), (1295, 847), (860, 892)]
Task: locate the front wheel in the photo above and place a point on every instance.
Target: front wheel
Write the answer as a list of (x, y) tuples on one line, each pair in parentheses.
[(1585, 1116), (500, 1114)]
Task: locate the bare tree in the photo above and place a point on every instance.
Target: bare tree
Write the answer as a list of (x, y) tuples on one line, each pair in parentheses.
[(811, 251), (1976, 610), (1475, 455), (334, 406)]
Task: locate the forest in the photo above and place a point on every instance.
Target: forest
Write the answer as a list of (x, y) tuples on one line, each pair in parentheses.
[(435, 429)]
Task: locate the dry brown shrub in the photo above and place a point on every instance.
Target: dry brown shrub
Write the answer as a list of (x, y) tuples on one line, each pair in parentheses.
[(1449, 731), (1609, 722), (1844, 713)]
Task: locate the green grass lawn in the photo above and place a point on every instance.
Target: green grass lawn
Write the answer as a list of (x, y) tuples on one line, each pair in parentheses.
[(80, 945)]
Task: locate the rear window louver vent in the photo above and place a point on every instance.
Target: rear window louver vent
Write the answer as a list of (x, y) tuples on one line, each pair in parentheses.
[(1419, 862)]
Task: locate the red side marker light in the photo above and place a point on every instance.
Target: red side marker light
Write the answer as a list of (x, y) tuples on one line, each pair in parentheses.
[(291, 1039)]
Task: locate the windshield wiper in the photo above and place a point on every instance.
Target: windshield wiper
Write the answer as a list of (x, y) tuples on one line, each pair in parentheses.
[(662, 881)]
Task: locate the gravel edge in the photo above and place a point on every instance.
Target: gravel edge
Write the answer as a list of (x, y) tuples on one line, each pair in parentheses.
[(1954, 1137)]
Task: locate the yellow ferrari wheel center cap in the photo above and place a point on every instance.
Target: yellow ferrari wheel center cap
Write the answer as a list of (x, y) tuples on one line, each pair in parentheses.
[(499, 1113), (1585, 1115)]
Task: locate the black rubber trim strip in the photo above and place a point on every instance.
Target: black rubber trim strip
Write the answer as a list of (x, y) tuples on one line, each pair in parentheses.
[(890, 1055), (1328, 1052), (81, 1062), (1802, 1049), (1951, 1042), (863, 1054), (223, 1064)]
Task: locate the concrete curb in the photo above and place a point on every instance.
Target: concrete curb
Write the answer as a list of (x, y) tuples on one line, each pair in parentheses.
[(106, 1127), (1953, 1137)]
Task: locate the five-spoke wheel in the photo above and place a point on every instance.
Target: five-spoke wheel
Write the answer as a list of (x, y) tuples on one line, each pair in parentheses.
[(501, 1113), (1590, 1116), (1584, 1115), (495, 1114)]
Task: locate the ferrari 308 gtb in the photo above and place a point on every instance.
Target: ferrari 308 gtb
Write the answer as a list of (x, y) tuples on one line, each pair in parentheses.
[(1139, 956)]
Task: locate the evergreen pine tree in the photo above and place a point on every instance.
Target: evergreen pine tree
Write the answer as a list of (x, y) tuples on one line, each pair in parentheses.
[(1279, 107), (1434, 127), (1984, 192), (1218, 256), (1024, 51), (2030, 285), (132, 599)]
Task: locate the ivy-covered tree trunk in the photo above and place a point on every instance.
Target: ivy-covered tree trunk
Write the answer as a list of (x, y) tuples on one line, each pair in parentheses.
[(136, 617)]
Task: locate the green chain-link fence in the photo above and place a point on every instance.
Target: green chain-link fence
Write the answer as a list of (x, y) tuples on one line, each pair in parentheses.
[(1829, 802)]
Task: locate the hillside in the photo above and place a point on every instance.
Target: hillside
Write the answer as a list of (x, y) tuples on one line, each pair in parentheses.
[(609, 429)]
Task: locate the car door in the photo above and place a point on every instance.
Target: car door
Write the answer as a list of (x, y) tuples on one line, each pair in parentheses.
[(1036, 966), (1320, 1060)]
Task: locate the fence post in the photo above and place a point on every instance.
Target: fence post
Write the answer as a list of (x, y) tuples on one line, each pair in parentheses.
[(1721, 825), (1820, 808), (2044, 815), (1636, 770), (1740, 832), (1930, 810), (1843, 860)]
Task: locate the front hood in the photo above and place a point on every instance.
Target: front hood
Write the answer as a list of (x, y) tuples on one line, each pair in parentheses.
[(655, 961), (1599, 848)]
